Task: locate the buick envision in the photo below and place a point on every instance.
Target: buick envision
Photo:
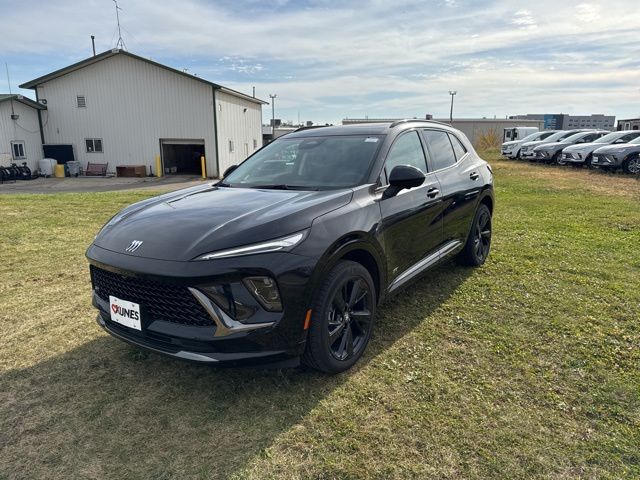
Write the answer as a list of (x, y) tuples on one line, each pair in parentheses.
[(581, 154), (288, 256)]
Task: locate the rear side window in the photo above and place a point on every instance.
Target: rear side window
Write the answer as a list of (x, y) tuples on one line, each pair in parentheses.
[(458, 147), (406, 150), (630, 136), (440, 149)]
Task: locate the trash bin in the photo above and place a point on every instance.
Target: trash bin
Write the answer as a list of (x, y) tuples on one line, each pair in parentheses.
[(59, 171), (73, 167)]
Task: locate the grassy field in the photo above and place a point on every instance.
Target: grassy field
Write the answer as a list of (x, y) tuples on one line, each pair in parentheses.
[(525, 368)]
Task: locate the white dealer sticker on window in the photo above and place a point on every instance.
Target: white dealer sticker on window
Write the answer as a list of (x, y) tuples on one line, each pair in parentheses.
[(125, 313), (371, 139)]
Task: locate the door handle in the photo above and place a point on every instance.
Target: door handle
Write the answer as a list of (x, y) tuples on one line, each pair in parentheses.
[(433, 192), (474, 175)]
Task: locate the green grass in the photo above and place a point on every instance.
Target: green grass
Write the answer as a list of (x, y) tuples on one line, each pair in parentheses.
[(525, 368)]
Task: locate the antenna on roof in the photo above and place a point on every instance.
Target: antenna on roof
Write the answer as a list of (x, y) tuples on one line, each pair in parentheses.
[(9, 82), (120, 42)]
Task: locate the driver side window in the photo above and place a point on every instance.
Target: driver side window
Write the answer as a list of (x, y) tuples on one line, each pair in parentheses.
[(406, 150)]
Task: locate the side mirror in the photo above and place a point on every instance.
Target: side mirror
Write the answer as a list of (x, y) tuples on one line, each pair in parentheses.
[(229, 170), (403, 177)]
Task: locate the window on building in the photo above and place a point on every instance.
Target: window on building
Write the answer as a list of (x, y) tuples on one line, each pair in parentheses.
[(18, 151), (94, 145), (81, 101), (440, 149), (231, 147)]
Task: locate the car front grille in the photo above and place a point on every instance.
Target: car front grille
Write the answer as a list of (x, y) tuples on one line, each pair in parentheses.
[(158, 301)]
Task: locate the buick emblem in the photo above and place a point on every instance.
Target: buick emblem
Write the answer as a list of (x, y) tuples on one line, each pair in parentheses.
[(133, 246)]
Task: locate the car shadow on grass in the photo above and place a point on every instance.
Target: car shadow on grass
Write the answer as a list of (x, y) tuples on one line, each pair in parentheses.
[(107, 410)]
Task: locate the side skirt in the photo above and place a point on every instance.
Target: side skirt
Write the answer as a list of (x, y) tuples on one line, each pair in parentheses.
[(424, 264)]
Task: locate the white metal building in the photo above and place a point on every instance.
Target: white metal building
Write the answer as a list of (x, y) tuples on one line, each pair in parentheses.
[(123, 109), (20, 139)]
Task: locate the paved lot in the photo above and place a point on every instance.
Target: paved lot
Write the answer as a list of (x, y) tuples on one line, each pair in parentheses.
[(99, 184)]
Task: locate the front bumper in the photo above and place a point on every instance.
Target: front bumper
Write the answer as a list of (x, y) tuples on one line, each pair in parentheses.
[(605, 160), (194, 327), (573, 157)]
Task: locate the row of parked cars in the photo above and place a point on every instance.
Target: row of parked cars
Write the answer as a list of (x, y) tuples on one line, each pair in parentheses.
[(592, 148)]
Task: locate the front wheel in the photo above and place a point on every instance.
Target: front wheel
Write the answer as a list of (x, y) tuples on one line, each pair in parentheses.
[(342, 319), (632, 165), (476, 250)]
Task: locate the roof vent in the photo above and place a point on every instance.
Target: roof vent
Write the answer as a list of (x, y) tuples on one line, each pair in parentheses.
[(81, 101)]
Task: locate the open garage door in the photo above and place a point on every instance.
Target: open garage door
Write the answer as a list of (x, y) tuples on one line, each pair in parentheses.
[(182, 157)]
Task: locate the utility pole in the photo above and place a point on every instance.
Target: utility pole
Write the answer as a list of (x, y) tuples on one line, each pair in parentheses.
[(452, 93), (273, 115)]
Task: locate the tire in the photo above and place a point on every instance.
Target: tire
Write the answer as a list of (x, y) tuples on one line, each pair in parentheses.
[(518, 156), (342, 320), (478, 245), (632, 165), (588, 160), (555, 160)]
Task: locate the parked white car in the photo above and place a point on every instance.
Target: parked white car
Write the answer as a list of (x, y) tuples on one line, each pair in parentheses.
[(512, 149), (582, 154), (625, 156)]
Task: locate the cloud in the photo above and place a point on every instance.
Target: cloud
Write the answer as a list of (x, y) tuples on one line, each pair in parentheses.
[(329, 60)]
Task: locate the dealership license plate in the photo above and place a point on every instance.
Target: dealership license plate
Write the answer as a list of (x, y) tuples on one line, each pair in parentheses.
[(125, 312)]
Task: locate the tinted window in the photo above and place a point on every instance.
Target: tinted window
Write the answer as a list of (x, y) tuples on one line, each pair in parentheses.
[(458, 148), (630, 136), (406, 150), (440, 149), (591, 137)]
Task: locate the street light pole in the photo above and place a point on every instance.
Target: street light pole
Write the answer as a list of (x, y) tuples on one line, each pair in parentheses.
[(452, 93), (273, 115)]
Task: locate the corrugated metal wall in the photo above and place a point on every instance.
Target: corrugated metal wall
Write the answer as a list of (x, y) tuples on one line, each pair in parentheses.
[(26, 129), (131, 105), (239, 121)]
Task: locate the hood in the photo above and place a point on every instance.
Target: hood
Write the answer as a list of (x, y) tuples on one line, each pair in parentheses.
[(511, 143), (186, 224), (621, 147), (535, 143), (584, 147)]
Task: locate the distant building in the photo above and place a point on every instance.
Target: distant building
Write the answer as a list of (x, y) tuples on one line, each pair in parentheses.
[(629, 124), (122, 109), (20, 139), (562, 121), (476, 129)]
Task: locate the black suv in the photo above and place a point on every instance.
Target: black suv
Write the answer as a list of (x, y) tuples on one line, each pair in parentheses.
[(287, 257)]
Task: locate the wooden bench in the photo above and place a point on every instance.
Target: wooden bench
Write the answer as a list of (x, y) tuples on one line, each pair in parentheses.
[(131, 171), (96, 169)]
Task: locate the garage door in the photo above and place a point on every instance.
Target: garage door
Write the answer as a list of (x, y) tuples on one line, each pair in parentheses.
[(182, 157)]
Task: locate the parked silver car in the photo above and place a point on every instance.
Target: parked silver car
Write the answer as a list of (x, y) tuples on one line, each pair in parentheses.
[(625, 156), (581, 154), (512, 149), (552, 152), (526, 151)]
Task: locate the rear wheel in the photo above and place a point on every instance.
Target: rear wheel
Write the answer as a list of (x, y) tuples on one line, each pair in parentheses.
[(632, 165), (478, 245), (343, 317)]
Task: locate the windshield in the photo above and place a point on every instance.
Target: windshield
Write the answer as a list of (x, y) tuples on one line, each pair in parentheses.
[(635, 141), (308, 163), (532, 137), (575, 137), (557, 136), (610, 137)]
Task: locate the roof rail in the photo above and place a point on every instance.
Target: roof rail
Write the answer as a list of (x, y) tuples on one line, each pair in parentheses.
[(407, 120)]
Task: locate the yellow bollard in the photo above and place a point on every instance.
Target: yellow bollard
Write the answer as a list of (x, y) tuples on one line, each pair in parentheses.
[(203, 167), (158, 166)]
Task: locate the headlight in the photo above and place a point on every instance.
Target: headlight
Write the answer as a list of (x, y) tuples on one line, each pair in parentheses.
[(279, 244)]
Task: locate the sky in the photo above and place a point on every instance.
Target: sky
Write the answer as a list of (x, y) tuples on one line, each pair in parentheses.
[(329, 60)]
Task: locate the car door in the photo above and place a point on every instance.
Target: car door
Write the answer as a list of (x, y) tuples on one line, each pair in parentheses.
[(460, 182), (411, 220)]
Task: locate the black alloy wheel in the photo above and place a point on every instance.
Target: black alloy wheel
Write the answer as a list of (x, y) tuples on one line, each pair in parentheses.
[(342, 319), (349, 318), (478, 245)]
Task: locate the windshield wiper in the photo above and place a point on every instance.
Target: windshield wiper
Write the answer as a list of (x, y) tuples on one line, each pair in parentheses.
[(283, 186)]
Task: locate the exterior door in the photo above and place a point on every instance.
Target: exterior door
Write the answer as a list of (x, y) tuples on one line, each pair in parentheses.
[(460, 182), (411, 220)]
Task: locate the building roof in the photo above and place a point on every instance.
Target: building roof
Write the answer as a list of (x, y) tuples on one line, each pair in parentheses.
[(356, 121), (19, 98), (110, 53)]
